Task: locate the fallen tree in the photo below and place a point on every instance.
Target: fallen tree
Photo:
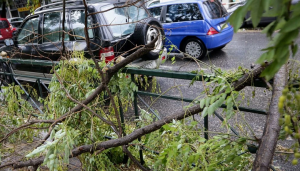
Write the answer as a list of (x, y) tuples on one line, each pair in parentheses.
[(244, 81), (84, 109)]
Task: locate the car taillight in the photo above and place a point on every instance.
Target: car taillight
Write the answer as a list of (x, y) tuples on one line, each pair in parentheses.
[(107, 54), (212, 31)]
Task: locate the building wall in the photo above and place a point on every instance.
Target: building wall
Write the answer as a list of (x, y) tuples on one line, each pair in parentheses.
[(18, 8)]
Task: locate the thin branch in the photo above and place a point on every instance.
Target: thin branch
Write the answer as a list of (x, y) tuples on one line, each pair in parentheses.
[(25, 126)]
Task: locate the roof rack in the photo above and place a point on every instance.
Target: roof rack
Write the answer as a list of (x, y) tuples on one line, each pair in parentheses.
[(75, 2), (58, 4)]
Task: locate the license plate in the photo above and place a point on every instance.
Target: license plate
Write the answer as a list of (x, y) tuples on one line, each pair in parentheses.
[(223, 26)]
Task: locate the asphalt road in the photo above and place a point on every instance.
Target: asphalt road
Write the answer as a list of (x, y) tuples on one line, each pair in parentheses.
[(243, 50)]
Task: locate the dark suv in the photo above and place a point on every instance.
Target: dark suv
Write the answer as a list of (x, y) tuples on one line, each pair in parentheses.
[(113, 29)]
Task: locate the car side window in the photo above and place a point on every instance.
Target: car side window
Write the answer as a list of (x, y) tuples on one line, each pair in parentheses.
[(183, 12), (77, 18), (29, 31), (156, 12), (51, 27)]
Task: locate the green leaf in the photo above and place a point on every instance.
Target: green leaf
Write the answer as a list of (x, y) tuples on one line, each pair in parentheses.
[(204, 112), (211, 109), (207, 101), (256, 11), (280, 24), (286, 38), (202, 103), (294, 49), (266, 4), (237, 18), (292, 24), (212, 100), (267, 56), (273, 68), (296, 10), (269, 29)]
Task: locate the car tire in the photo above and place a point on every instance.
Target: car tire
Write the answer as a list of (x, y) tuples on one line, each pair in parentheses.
[(195, 48), (145, 32), (5, 79)]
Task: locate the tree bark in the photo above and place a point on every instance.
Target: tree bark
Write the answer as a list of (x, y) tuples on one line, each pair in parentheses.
[(267, 146)]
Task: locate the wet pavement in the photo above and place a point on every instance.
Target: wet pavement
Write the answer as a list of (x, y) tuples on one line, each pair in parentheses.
[(243, 50)]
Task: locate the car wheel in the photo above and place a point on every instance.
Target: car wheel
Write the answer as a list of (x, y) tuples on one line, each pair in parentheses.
[(145, 32), (4, 79), (195, 48)]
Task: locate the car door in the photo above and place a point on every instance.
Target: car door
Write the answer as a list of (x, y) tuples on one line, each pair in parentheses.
[(50, 45), (181, 20), (77, 20), (27, 38)]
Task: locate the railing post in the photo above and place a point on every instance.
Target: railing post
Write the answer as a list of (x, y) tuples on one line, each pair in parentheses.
[(40, 88), (136, 112), (206, 127), (122, 117)]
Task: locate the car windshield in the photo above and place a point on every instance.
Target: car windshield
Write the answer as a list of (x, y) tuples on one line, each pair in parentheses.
[(122, 21), (214, 9)]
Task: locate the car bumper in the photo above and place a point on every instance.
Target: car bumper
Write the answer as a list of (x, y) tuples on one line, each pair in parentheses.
[(217, 40)]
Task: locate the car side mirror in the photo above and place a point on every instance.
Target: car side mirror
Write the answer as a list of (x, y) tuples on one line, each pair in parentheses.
[(8, 42)]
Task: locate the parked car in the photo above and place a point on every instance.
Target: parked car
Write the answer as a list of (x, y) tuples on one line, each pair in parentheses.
[(113, 32), (195, 26), (15, 23), (247, 21), (5, 31)]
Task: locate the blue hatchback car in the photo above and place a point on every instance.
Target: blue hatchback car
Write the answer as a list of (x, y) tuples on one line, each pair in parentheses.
[(194, 26)]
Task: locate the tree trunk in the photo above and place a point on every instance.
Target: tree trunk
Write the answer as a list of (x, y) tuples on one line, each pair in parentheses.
[(267, 146)]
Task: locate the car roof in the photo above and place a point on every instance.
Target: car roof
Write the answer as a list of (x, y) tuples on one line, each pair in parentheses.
[(176, 2)]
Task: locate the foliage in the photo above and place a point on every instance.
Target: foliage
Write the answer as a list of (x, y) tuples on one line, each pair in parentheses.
[(78, 78), (290, 111), (16, 110), (186, 150)]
